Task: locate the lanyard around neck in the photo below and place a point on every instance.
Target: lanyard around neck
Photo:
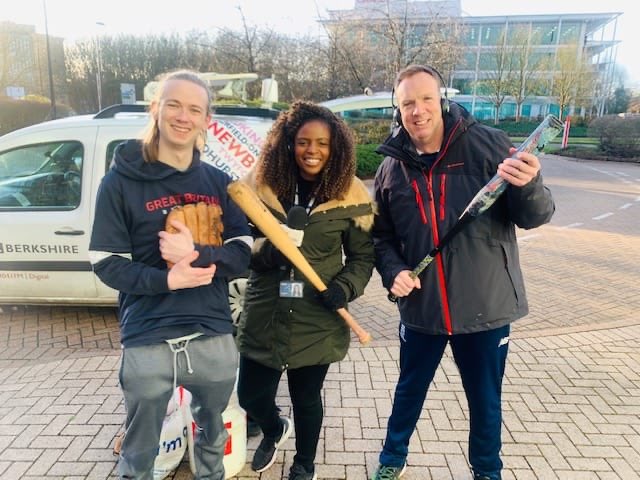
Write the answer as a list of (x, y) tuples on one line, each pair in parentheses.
[(296, 201)]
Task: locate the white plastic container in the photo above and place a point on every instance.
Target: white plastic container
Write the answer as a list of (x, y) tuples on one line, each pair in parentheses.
[(235, 451)]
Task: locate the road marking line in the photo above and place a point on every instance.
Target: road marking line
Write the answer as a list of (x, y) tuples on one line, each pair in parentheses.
[(573, 225), (626, 205), (604, 215), (623, 174)]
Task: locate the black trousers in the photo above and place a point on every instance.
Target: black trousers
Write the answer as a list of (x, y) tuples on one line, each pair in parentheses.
[(257, 388)]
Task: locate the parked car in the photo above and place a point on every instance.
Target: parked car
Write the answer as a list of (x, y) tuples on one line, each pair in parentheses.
[(49, 176)]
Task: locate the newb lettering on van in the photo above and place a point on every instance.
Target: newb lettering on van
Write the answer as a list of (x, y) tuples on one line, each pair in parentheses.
[(234, 145)]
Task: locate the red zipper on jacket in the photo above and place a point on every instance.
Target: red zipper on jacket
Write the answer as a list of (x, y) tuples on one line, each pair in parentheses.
[(444, 296), (419, 201), (443, 196)]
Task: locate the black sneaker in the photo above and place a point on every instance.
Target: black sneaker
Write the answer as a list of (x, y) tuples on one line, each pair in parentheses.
[(298, 472), (266, 452)]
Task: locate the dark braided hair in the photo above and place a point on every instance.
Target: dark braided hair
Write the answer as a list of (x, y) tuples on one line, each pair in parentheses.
[(277, 167)]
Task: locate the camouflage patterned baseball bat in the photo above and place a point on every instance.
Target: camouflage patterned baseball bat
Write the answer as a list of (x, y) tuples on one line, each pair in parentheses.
[(548, 129)]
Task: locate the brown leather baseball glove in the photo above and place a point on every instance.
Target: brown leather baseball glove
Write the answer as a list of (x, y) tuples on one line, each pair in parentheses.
[(204, 221)]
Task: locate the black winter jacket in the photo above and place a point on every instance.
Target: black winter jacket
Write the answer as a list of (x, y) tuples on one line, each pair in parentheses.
[(284, 333), (476, 283)]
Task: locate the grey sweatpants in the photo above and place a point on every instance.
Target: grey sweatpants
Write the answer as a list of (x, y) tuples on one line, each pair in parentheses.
[(146, 379)]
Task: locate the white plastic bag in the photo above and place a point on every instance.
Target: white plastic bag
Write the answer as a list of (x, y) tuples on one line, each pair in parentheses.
[(179, 429), (176, 434)]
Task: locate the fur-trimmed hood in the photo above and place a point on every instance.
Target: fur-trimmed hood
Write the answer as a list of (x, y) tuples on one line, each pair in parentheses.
[(358, 202)]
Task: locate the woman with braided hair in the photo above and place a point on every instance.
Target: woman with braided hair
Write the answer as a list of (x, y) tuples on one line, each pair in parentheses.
[(307, 162)]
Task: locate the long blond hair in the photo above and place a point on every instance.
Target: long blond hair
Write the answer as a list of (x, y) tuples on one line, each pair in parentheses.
[(151, 135)]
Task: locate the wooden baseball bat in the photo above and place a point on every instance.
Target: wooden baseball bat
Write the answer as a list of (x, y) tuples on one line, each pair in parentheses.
[(262, 218)]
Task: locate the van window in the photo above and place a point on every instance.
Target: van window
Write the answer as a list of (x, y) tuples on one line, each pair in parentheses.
[(110, 149), (45, 176)]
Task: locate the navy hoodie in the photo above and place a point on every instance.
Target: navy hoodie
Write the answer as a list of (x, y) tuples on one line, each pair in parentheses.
[(133, 201)]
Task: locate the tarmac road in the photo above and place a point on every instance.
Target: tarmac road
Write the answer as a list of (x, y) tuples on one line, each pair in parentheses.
[(571, 391)]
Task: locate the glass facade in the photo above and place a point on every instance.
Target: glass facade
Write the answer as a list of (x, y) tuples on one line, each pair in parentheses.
[(492, 34), (545, 33), (570, 33), (539, 39)]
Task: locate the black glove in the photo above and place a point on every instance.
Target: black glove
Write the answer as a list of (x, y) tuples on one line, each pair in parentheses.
[(265, 256), (333, 297)]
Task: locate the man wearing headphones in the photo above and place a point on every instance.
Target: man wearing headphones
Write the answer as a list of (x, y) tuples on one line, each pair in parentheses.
[(437, 158)]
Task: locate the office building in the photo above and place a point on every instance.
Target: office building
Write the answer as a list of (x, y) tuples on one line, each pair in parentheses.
[(483, 42)]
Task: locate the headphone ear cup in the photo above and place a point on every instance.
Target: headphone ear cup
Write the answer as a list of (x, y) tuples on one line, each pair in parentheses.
[(397, 118)]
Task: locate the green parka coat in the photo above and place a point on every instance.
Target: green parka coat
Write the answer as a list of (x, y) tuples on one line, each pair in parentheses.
[(284, 333)]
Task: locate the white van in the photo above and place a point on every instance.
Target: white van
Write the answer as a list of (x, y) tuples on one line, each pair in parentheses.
[(49, 176)]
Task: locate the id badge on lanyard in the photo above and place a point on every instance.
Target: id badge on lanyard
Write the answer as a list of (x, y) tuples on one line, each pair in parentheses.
[(294, 288), (291, 289)]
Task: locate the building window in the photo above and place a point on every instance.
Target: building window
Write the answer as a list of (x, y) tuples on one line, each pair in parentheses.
[(468, 61), (464, 85), (518, 33), (569, 33), (470, 36), (488, 61), (492, 34), (545, 33)]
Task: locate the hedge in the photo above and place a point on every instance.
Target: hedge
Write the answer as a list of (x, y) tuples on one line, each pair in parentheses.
[(15, 114)]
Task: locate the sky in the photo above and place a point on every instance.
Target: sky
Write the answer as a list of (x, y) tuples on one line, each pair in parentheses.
[(77, 19)]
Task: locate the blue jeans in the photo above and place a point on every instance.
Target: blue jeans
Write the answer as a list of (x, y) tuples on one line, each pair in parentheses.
[(480, 358)]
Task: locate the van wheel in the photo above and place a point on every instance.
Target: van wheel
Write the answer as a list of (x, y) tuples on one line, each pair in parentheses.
[(237, 287)]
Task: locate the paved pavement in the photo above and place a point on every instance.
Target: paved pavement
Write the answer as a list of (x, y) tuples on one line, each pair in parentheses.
[(571, 390)]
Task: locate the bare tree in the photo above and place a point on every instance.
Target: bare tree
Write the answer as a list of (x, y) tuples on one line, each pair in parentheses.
[(414, 32), (125, 59), (525, 67), (243, 48), (301, 69), (498, 78), (351, 59), (372, 44), (573, 79)]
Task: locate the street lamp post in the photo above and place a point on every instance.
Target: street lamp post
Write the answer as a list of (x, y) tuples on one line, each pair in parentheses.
[(99, 64), (54, 113)]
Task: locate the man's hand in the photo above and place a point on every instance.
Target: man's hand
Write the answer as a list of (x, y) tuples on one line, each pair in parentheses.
[(403, 284), (520, 170), (183, 275), (175, 246)]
